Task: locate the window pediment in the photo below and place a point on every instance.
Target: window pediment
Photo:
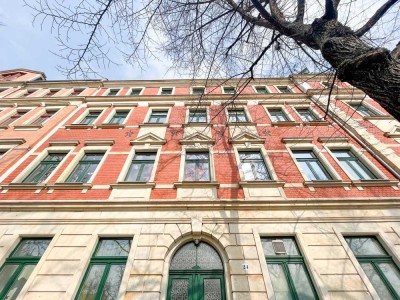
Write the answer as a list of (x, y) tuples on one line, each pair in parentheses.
[(246, 137), (197, 138), (148, 138)]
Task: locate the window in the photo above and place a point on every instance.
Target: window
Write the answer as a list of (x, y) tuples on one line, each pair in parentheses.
[(253, 166), (51, 92), (119, 117), (76, 92), (306, 115), (3, 152), (18, 114), (19, 266), (158, 116), (106, 268), (141, 167), (90, 117), (378, 265), (85, 168), (229, 90), (197, 166), (261, 89), (287, 270), (113, 92), (237, 116), (29, 92), (197, 116), (310, 165), (198, 90), (353, 165), (44, 117), (166, 91), (135, 92), (45, 168), (277, 115), (284, 89), (363, 110)]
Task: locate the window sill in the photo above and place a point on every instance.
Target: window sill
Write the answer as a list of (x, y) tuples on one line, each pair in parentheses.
[(285, 123), (23, 186), (197, 124), (12, 141), (27, 127), (326, 183), (316, 123), (266, 183), (375, 182), (196, 184), (133, 184), (79, 126), (69, 186), (110, 126), (392, 135), (4, 127), (154, 125), (383, 117), (241, 124)]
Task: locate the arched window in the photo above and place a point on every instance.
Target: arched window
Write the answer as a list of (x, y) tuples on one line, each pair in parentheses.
[(196, 273)]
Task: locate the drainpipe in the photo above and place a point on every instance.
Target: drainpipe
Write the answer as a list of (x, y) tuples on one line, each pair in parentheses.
[(344, 126)]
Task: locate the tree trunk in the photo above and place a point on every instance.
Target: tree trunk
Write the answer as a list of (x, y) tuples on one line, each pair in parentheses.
[(373, 70)]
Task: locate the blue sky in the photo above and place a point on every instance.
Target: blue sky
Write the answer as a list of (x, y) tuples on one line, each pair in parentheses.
[(25, 45)]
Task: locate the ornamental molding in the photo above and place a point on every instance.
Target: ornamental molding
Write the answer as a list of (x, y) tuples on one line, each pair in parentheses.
[(149, 138)]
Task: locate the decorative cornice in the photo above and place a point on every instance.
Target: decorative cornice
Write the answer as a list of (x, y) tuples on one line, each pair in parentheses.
[(64, 143), (99, 142), (12, 141), (333, 139), (295, 140)]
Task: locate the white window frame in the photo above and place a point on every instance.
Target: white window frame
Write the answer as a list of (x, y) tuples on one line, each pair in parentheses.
[(365, 104), (359, 153), (55, 149), (14, 111), (197, 108), (83, 115), (43, 111), (114, 111), (197, 87), (316, 115), (88, 149), (263, 86), (277, 87), (128, 94), (239, 107), (131, 155), (77, 89), (158, 108), (3, 89), (277, 107), (199, 149), (264, 155), (229, 87), (166, 87), (26, 94), (318, 154)]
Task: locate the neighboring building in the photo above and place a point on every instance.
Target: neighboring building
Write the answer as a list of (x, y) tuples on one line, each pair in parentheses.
[(169, 189)]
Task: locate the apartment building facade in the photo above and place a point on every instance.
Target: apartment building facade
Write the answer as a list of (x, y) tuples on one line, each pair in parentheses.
[(194, 189)]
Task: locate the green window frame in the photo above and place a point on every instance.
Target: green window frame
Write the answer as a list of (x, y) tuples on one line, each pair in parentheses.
[(310, 165), (306, 114), (18, 114), (104, 274), (278, 115), (90, 118), (43, 170), (84, 170), (158, 116), (261, 89), (253, 166), (197, 166), (19, 265), (141, 167), (44, 117), (198, 116), (363, 110), (289, 275), (353, 165), (237, 116), (119, 117), (284, 89), (377, 264), (135, 91)]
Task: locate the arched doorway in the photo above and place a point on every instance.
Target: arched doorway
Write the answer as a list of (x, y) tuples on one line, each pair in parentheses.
[(196, 273)]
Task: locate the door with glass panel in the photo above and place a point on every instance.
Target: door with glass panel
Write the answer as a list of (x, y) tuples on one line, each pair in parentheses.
[(196, 273)]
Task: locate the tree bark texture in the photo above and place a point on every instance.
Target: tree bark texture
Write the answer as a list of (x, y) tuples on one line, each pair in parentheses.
[(376, 71)]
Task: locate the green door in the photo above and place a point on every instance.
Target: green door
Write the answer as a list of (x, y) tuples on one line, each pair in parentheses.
[(196, 273)]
